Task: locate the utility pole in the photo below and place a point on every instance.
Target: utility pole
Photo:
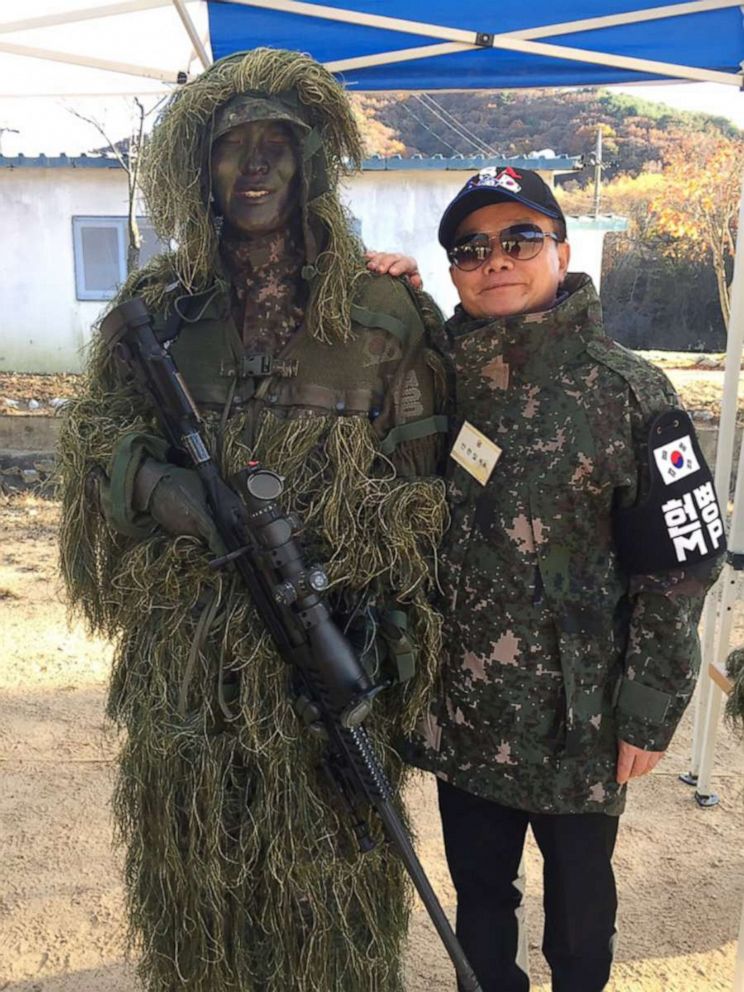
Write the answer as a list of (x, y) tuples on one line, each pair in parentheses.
[(598, 172)]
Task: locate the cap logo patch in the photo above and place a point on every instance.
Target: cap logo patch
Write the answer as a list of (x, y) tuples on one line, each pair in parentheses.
[(505, 178)]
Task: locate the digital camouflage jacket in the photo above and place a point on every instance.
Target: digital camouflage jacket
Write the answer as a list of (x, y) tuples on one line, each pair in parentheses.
[(553, 653)]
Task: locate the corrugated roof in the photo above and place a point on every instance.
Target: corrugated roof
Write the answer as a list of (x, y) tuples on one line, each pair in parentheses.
[(60, 161), (558, 163)]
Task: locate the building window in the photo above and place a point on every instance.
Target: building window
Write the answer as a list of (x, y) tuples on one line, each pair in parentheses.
[(100, 247)]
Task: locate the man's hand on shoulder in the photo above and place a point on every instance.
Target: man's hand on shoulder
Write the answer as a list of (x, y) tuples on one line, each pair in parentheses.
[(394, 264), (632, 762)]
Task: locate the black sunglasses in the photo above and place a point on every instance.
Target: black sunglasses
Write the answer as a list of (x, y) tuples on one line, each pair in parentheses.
[(520, 243)]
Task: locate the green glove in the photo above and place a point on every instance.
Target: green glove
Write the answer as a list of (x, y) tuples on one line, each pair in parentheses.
[(175, 499)]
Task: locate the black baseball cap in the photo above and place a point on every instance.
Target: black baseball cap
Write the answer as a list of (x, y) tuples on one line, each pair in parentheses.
[(497, 185)]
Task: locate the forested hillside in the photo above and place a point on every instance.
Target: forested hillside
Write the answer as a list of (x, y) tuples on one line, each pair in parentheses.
[(676, 176), (636, 133)]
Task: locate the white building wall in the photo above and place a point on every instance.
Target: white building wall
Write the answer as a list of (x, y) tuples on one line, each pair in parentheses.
[(43, 327), (586, 251)]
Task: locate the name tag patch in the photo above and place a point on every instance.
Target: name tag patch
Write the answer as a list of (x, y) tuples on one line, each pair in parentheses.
[(476, 453)]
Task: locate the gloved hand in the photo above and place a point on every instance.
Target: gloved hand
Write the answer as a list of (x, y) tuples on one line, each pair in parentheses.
[(175, 499)]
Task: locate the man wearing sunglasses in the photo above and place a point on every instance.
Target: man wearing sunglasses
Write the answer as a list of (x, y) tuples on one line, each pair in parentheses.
[(584, 535)]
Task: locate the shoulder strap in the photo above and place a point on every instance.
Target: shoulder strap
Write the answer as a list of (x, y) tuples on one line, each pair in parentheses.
[(386, 321), (650, 387)]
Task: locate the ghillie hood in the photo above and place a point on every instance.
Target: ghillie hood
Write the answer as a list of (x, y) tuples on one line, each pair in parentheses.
[(176, 175)]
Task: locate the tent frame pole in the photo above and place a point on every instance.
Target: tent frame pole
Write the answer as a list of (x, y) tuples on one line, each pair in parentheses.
[(82, 14), (193, 34), (91, 62), (729, 583), (708, 703), (515, 41)]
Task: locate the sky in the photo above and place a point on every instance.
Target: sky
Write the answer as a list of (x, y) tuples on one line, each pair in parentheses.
[(49, 125), (713, 98)]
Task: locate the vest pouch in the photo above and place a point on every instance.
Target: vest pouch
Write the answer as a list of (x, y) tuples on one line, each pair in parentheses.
[(206, 358), (381, 642)]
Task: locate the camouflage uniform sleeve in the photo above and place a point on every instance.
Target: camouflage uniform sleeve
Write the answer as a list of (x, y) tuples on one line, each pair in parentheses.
[(662, 656)]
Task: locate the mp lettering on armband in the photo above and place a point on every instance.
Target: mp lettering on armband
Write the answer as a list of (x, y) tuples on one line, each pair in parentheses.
[(679, 523), (694, 522)]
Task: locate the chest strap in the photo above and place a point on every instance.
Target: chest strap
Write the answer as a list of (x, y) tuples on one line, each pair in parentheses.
[(413, 431), (385, 321)]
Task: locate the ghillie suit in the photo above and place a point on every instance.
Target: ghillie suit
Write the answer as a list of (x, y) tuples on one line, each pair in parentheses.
[(735, 701), (242, 874)]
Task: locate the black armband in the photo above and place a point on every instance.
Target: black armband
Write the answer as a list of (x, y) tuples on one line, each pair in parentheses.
[(679, 523)]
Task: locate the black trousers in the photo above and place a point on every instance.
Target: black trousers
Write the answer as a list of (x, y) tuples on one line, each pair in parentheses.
[(483, 842)]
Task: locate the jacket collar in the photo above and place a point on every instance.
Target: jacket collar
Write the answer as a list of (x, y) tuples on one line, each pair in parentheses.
[(552, 336)]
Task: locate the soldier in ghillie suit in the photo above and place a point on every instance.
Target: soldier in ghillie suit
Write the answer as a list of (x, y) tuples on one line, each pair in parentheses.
[(242, 874), (585, 532)]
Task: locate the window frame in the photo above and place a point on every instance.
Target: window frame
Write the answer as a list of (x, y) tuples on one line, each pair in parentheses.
[(120, 224)]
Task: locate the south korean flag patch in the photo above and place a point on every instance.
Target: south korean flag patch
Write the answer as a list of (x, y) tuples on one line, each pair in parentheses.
[(679, 523), (676, 460)]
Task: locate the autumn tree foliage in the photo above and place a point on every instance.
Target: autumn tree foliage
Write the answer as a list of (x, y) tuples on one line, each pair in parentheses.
[(653, 296), (636, 133), (697, 205), (379, 138)]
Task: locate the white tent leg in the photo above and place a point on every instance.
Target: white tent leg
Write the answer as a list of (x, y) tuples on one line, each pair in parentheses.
[(704, 795), (701, 741), (729, 584), (702, 696)]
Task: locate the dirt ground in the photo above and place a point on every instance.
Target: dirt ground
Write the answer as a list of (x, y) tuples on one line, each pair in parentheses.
[(680, 869), (698, 377)]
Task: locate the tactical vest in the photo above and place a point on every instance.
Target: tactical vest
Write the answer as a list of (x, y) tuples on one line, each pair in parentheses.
[(373, 374)]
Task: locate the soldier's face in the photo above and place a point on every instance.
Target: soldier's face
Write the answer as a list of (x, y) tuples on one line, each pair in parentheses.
[(503, 286), (254, 168)]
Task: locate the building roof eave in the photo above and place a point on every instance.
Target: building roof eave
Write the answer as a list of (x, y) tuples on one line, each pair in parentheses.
[(557, 165)]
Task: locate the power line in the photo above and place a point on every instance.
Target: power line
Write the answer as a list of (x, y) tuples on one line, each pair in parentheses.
[(475, 142), (475, 139), (450, 126), (426, 127)]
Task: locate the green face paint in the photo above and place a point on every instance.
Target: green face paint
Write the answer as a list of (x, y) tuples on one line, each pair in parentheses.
[(254, 166)]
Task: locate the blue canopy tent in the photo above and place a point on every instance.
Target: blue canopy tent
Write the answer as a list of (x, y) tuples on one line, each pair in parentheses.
[(439, 45), (436, 44)]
